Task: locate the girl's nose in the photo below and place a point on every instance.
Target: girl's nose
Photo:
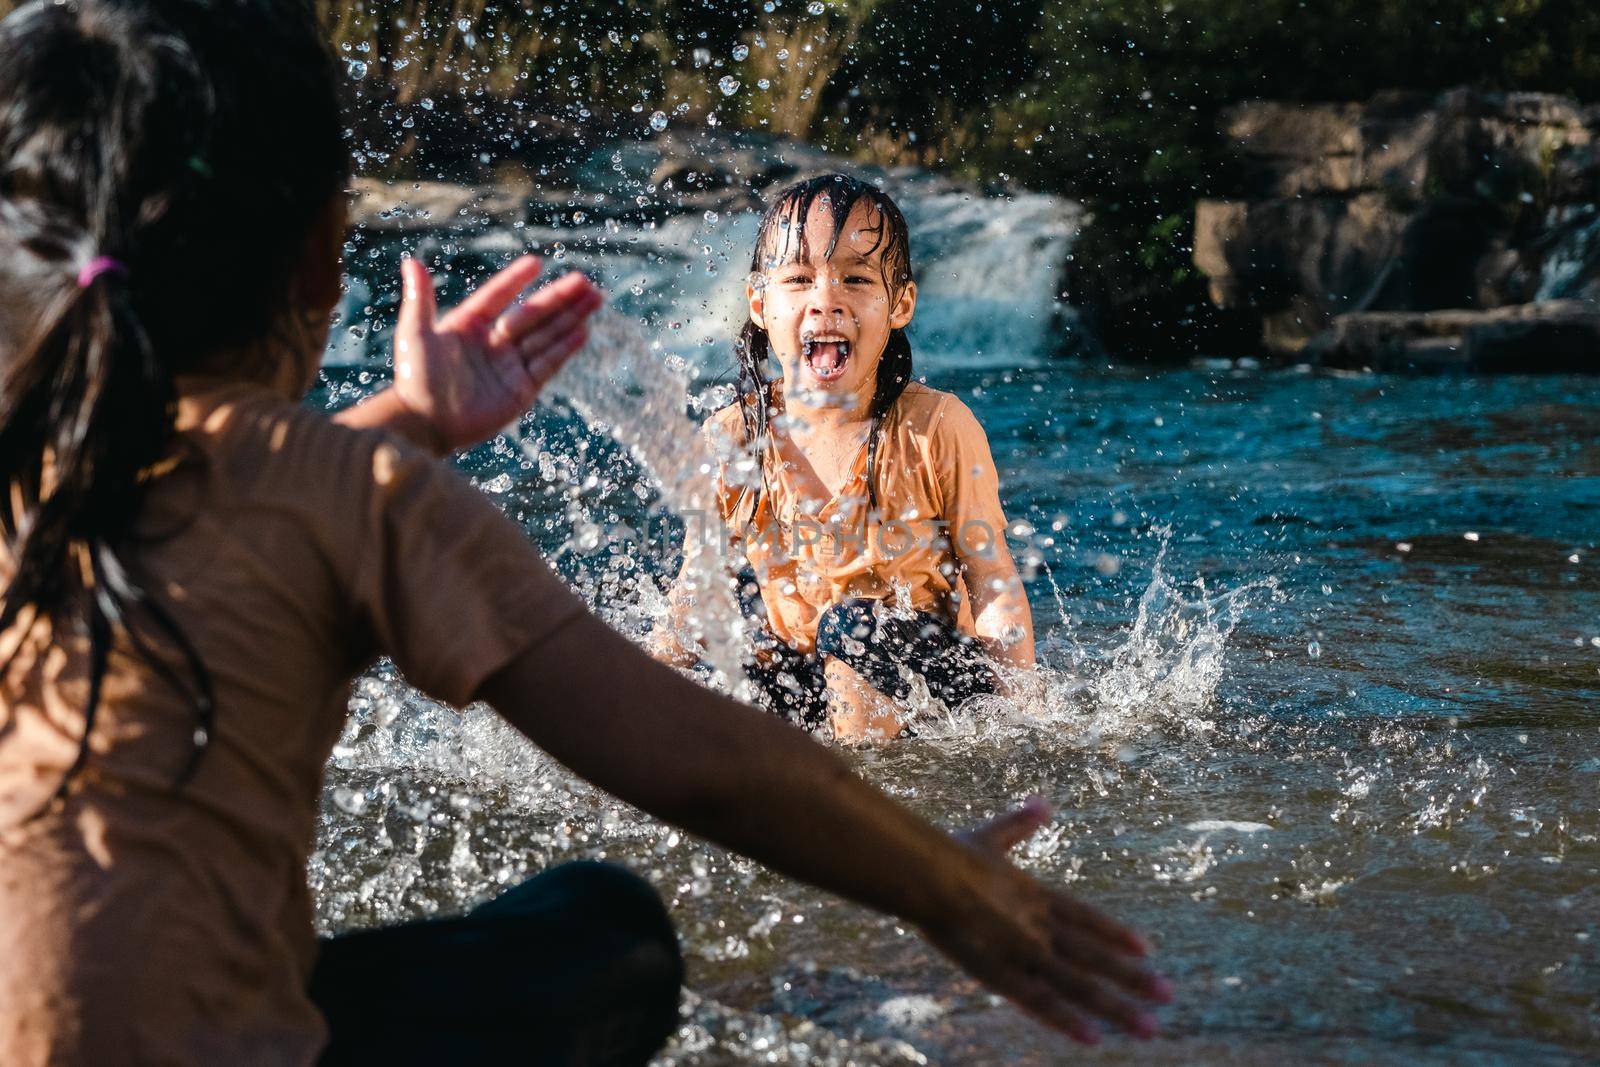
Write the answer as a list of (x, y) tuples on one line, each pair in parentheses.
[(824, 296)]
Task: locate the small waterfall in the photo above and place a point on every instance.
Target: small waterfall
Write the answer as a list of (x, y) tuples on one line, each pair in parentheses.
[(989, 277), (989, 274), (1573, 261)]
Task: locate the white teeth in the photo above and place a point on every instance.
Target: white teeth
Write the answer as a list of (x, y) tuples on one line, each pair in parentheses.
[(808, 344)]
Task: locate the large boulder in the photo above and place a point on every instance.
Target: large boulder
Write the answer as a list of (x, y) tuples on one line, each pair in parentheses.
[(1408, 202), (1261, 253)]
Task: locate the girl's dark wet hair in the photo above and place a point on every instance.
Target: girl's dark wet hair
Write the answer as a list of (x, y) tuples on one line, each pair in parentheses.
[(195, 143), (782, 236)]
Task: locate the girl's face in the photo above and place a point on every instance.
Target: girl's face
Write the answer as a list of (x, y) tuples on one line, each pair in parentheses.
[(828, 317)]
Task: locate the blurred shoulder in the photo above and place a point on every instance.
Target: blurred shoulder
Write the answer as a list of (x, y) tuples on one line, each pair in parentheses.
[(935, 413), (263, 443), (726, 421)]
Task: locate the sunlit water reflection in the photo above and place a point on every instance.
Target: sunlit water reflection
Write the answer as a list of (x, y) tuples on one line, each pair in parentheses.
[(1324, 661)]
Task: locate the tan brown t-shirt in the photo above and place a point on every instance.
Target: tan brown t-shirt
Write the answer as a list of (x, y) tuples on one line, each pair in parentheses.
[(143, 925), (938, 501)]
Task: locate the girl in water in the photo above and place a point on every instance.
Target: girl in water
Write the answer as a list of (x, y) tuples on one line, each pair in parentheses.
[(195, 566), (865, 503)]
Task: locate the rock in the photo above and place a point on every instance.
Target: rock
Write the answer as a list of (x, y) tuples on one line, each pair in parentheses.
[(1403, 143), (1263, 254), (407, 206), (1536, 345), (1407, 203), (1558, 336), (1575, 175)]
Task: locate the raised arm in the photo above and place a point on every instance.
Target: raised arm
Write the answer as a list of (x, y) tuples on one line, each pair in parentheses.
[(462, 377), (747, 781)]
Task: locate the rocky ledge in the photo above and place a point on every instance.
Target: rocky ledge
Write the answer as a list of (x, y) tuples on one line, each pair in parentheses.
[(1459, 231), (1554, 336), (626, 179)]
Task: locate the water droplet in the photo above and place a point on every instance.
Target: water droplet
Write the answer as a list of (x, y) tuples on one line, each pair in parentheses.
[(348, 800), (357, 69), (740, 53), (1314, 650), (815, 7), (729, 85), (658, 121)]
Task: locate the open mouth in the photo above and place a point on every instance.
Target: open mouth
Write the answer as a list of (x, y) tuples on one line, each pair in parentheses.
[(825, 355)]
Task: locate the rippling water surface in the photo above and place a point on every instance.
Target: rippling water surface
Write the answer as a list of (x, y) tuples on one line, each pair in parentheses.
[(1324, 719)]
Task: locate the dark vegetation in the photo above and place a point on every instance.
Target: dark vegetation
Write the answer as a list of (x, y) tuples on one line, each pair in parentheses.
[(1111, 101)]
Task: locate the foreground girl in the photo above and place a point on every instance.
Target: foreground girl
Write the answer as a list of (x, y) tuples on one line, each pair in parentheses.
[(196, 566), (871, 521)]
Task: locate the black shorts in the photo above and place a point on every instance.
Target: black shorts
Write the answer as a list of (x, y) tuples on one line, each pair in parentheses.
[(577, 965), (887, 650)]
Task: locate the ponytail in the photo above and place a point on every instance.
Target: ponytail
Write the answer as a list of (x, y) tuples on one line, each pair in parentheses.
[(86, 410), (131, 132)]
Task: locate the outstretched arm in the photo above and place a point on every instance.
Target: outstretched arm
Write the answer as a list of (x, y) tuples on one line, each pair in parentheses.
[(747, 781), (461, 377)]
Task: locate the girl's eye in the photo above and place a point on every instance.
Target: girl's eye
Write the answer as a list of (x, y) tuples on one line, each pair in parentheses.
[(795, 279), (858, 279)]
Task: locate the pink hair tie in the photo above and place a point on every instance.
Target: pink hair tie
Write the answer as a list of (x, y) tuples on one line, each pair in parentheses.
[(98, 266)]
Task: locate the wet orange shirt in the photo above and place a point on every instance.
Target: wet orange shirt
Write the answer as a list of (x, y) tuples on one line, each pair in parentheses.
[(143, 925), (938, 499)]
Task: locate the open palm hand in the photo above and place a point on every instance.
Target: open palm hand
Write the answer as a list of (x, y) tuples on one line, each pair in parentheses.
[(479, 366), (1059, 959)]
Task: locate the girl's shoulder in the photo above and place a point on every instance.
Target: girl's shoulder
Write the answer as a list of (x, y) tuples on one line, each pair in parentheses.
[(258, 425), (265, 450), (726, 420), (927, 412)]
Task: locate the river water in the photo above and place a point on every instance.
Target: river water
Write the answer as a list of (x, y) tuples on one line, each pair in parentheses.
[(1323, 714)]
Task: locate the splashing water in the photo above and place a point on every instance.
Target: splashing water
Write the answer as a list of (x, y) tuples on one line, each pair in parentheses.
[(1316, 840), (639, 399)]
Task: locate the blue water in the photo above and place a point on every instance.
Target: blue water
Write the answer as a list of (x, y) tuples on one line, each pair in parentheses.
[(1346, 771)]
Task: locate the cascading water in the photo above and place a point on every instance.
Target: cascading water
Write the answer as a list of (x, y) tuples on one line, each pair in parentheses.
[(1279, 718), (1574, 254), (989, 272)]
